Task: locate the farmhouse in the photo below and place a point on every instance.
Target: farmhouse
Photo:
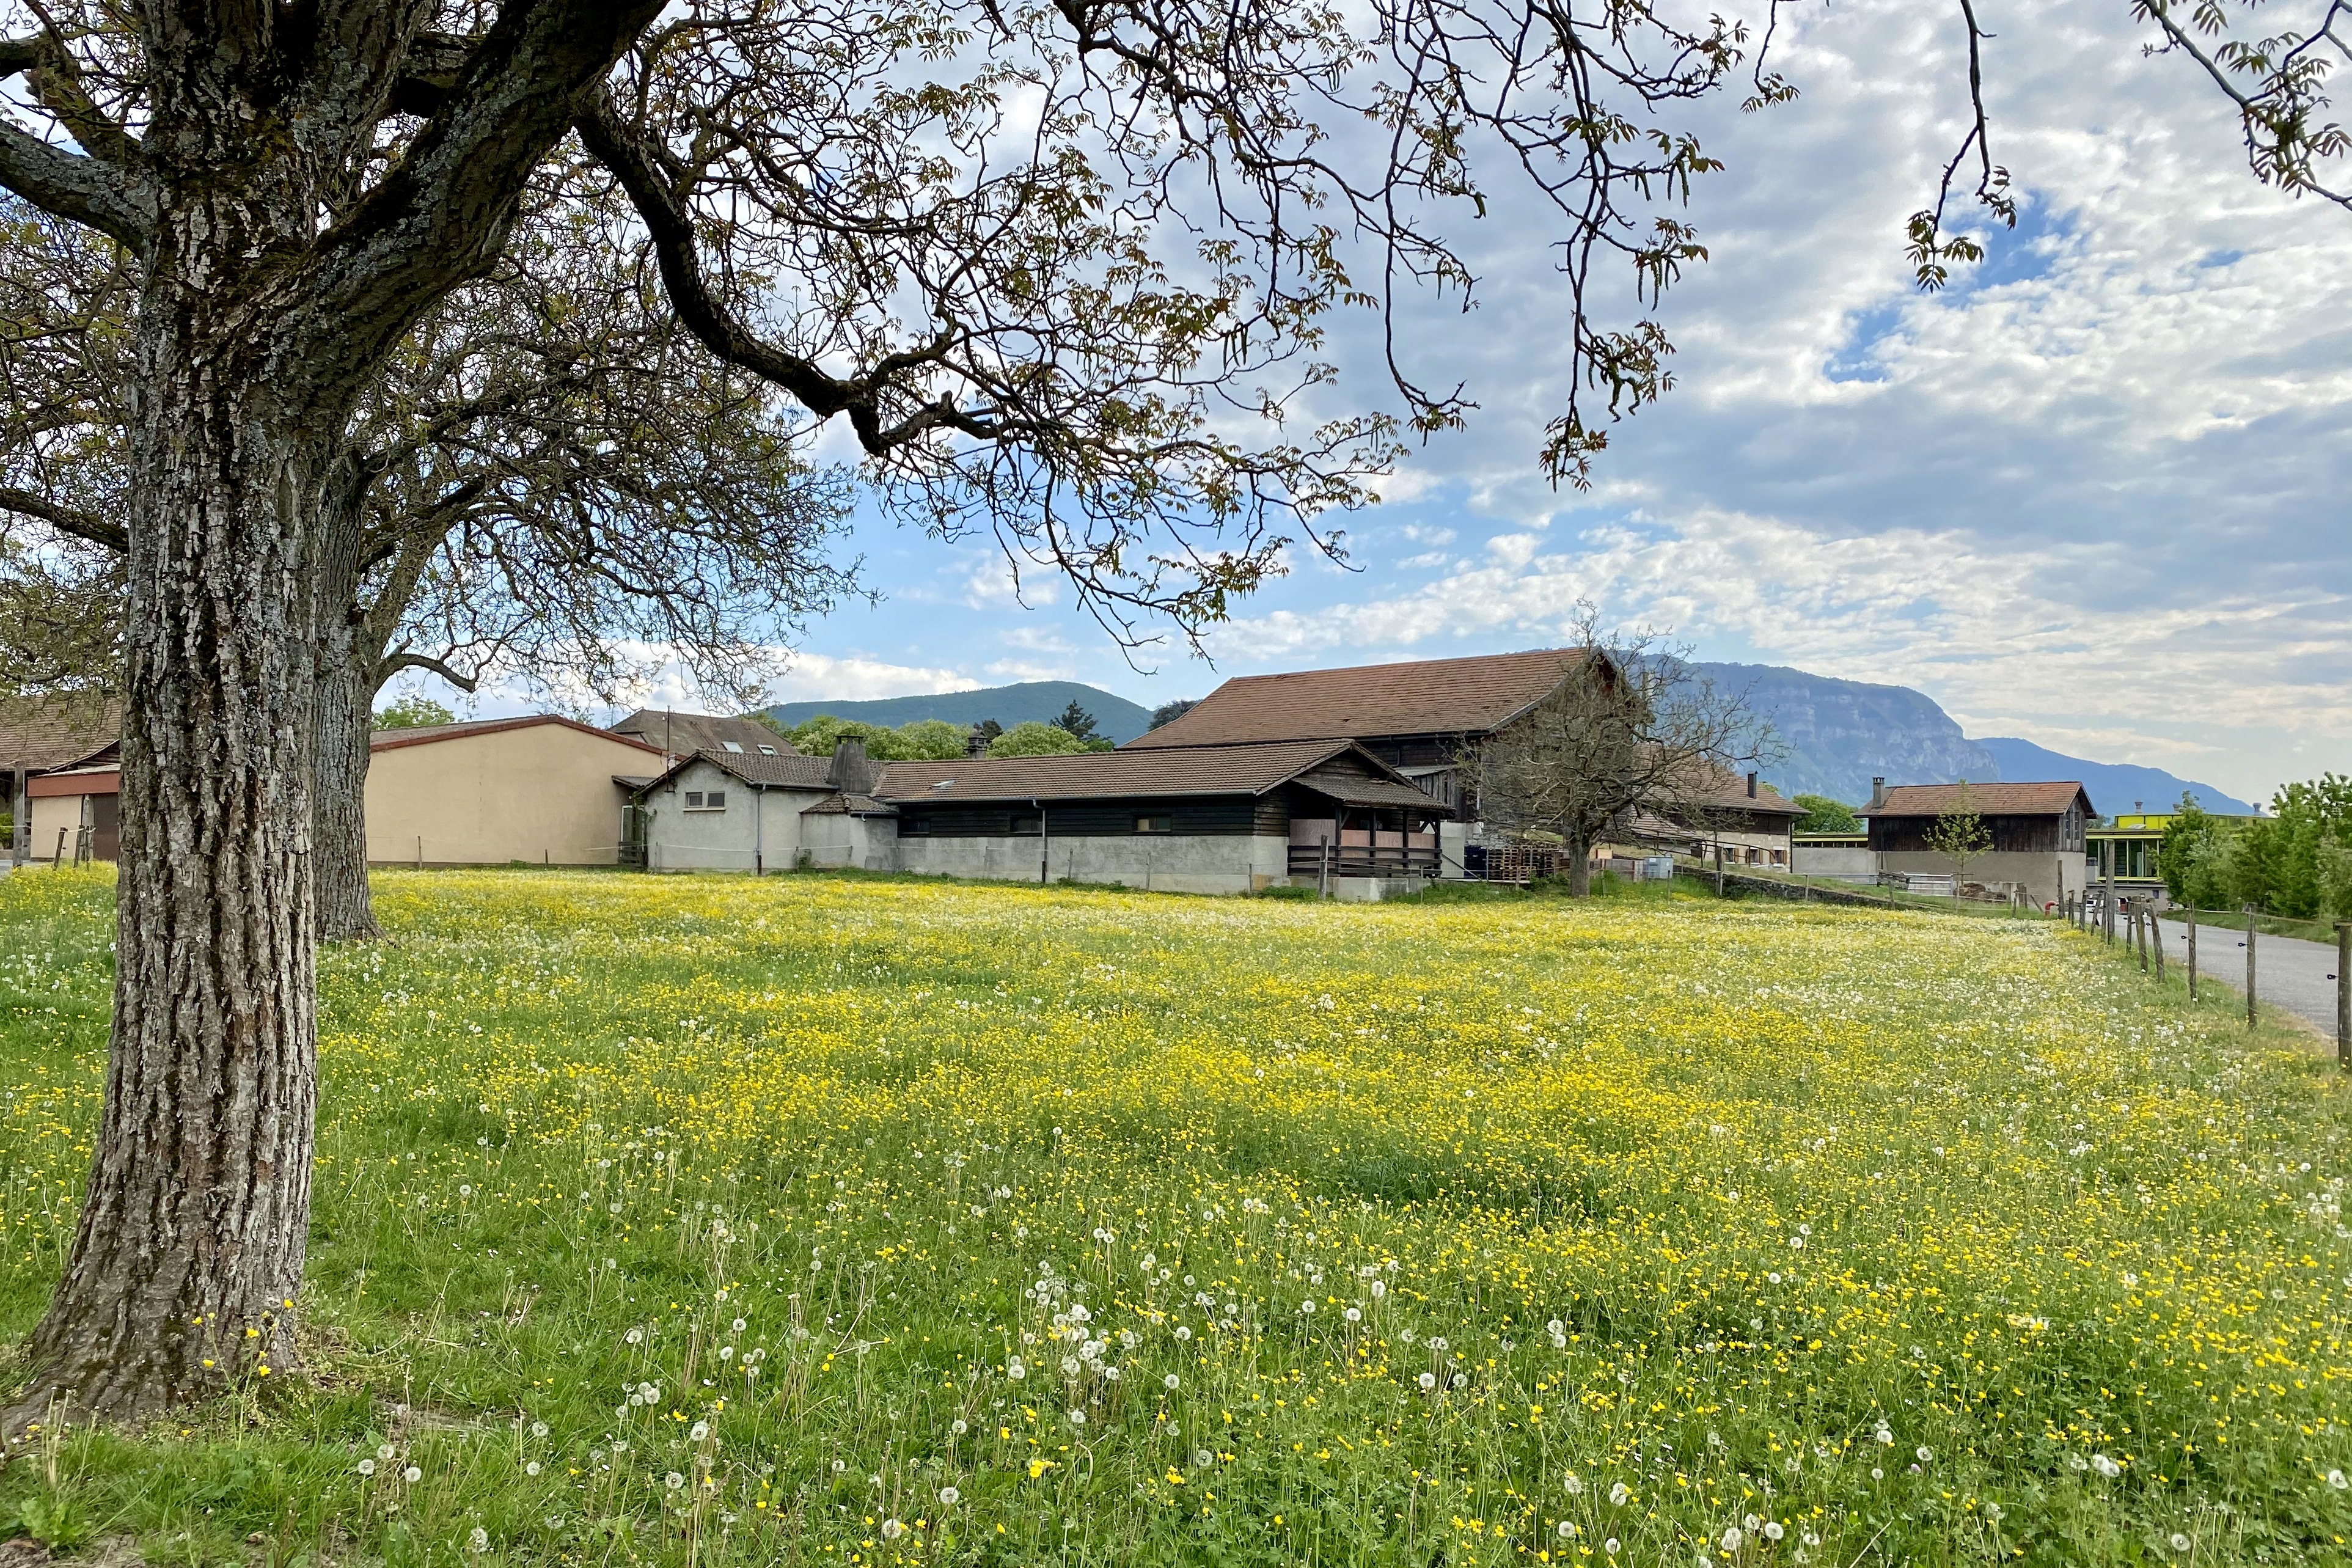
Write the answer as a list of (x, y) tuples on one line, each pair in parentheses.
[(1747, 822), (1416, 717), (2036, 830)]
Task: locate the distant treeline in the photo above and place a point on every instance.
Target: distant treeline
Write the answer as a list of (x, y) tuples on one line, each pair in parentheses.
[(2295, 862), (937, 739)]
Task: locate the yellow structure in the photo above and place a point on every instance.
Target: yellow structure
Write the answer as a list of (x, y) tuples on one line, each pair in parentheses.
[(543, 790)]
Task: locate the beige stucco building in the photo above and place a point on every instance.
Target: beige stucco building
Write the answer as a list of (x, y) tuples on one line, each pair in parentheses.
[(542, 790)]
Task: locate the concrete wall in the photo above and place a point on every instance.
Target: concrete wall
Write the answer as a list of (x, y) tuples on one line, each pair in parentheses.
[(538, 793), (837, 838), (1171, 863), (756, 831), (2047, 876), (1852, 865)]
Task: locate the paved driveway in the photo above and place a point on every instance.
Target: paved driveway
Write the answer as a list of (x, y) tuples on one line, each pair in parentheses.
[(2288, 972)]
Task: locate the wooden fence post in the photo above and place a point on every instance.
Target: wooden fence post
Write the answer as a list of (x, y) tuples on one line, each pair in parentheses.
[(2193, 953), (2139, 931), (2155, 940), (2249, 966), (2344, 995)]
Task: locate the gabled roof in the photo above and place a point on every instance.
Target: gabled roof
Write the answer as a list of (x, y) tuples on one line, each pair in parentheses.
[(682, 734), (786, 770), (40, 733), (1250, 769), (428, 734), (1984, 799), (1728, 792), (1431, 697)]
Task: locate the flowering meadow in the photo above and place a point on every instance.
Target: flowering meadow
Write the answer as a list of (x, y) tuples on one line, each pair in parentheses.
[(831, 1220)]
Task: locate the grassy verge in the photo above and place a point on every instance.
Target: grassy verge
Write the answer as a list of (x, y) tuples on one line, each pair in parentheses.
[(831, 1220)]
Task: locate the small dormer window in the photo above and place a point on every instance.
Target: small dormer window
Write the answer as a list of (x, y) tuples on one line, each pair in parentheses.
[(733, 746)]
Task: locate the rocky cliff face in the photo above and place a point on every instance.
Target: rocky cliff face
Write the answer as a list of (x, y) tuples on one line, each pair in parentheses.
[(1841, 733)]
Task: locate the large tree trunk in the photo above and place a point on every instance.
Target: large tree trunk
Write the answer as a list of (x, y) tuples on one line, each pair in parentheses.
[(188, 1256), (1578, 852), (351, 661), (347, 689)]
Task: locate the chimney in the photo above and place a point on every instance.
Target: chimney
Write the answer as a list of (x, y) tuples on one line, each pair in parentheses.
[(1878, 794), (976, 743), (851, 772), (1751, 785)]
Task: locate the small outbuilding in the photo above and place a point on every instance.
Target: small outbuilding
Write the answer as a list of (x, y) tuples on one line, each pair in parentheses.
[(1227, 819), (2036, 832)]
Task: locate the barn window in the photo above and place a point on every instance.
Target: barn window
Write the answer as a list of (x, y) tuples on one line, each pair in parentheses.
[(915, 827), (1155, 825), (1027, 822)]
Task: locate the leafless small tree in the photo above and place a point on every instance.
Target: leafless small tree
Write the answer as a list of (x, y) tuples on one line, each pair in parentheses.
[(1630, 728), (1959, 835)]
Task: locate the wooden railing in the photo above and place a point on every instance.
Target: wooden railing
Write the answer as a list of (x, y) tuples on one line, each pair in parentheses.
[(1364, 861)]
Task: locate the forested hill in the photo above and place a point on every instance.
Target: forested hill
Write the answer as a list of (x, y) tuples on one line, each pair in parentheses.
[(1038, 700)]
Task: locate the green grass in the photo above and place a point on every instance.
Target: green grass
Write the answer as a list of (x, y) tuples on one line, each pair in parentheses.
[(1916, 1239)]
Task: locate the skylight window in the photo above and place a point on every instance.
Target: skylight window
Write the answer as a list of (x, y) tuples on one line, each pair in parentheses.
[(733, 746)]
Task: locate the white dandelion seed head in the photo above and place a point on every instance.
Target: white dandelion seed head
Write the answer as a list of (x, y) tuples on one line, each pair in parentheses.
[(1772, 1530), (959, 1426), (673, 1480), (949, 1497), (1618, 1493), (1172, 1381), (386, 1452), (1428, 1381), (1609, 1546), (2181, 1542), (539, 1429), (1078, 1417), (531, 1468), (634, 1337), (701, 1430), (1732, 1538), (367, 1467), (1573, 1485), (412, 1474), (478, 1539), (1566, 1530), (740, 1325)]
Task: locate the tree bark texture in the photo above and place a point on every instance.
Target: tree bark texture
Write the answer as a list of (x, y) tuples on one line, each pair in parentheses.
[(1578, 851), (349, 673), (188, 1255), (189, 1252)]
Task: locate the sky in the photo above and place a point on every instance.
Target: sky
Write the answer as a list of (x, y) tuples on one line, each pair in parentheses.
[(2092, 495)]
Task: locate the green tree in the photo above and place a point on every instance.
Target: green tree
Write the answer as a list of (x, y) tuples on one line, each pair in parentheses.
[(411, 712), (1036, 740), (931, 738), (817, 737), (1823, 814), (1077, 721), (1168, 712), (1959, 835), (2194, 857)]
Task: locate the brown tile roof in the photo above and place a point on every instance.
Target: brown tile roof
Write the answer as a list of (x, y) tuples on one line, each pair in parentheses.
[(1431, 697), (682, 734), (1984, 799), (781, 771), (1195, 769), (1730, 792), (427, 734), (39, 733)]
